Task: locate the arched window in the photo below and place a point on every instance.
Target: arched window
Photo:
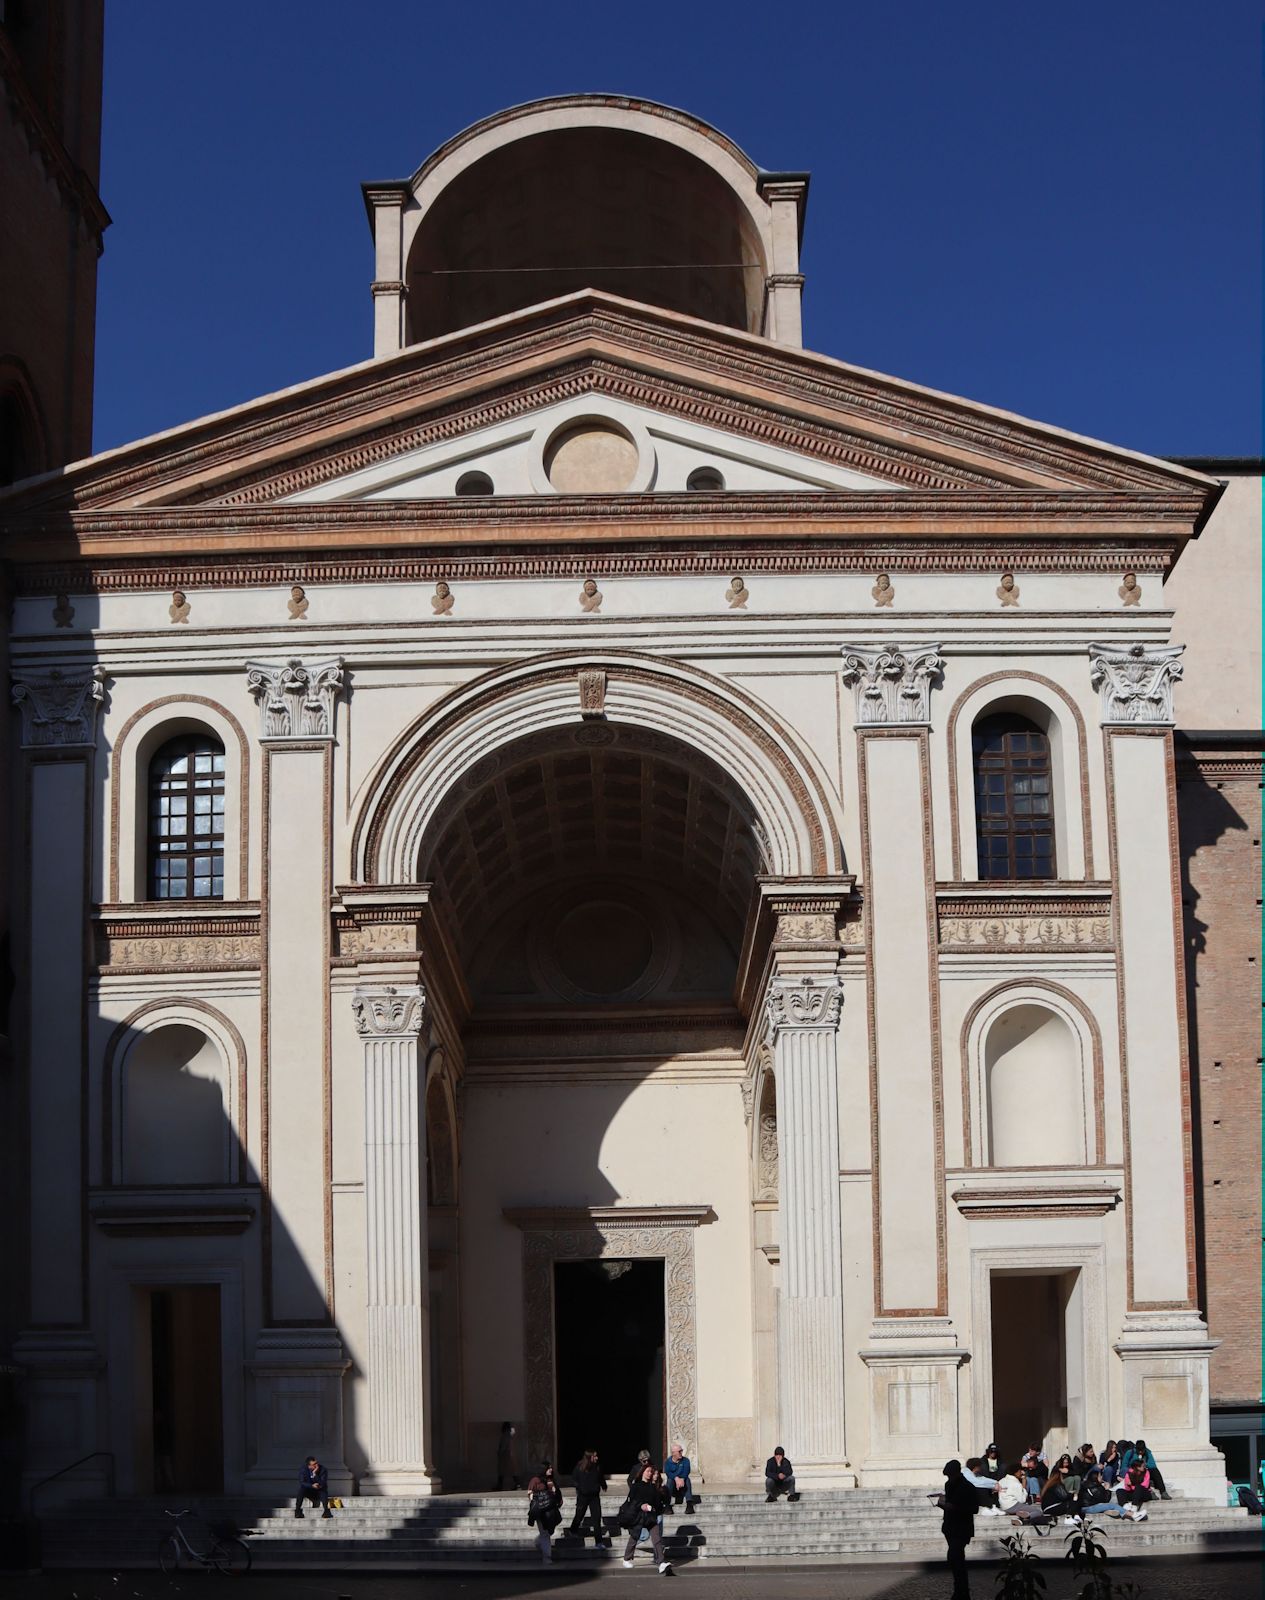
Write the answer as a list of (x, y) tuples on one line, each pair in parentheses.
[(705, 480), (474, 483), (1014, 809), (186, 819)]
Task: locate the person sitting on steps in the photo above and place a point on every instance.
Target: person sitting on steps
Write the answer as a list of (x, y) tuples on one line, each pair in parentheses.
[(313, 1486), (985, 1486), (676, 1477), (779, 1477)]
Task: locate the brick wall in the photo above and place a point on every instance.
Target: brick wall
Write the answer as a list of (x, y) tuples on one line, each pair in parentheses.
[(1219, 813)]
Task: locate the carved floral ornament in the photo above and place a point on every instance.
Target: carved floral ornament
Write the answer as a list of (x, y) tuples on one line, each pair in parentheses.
[(296, 698), (388, 1013), (807, 1002), (1136, 682), (892, 683), (58, 710)]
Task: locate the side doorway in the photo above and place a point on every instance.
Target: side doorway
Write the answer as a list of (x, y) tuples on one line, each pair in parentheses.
[(179, 1388)]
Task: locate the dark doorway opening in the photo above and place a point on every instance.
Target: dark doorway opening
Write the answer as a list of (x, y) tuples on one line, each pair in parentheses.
[(185, 1388), (608, 1333), (1038, 1364)]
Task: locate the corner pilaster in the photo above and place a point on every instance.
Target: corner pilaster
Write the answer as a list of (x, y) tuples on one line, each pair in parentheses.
[(389, 1020)]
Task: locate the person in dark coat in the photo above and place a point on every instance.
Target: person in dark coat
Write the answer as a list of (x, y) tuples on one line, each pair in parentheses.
[(506, 1464), (645, 1504), (779, 1477), (313, 1486), (544, 1510), (960, 1506), (590, 1482)]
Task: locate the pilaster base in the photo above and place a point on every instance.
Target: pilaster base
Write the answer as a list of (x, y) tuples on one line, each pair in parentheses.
[(61, 1371), (1165, 1356), (913, 1366), (298, 1408), (401, 1481)]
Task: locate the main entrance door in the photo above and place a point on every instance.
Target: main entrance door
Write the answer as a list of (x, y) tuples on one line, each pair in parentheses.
[(1038, 1378), (609, 1350), (180, 1416)]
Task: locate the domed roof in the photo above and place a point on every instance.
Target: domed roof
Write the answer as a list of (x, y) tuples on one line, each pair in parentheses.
[(587, 191)]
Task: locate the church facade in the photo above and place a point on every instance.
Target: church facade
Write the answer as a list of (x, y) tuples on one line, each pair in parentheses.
[(631, 883)]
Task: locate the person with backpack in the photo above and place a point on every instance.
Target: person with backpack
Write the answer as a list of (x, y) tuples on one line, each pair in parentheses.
[(544, 1510), (645, 1504), (960, 1503), (590, 1483)]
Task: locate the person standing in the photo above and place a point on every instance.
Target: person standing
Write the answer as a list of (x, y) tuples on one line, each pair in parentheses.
[(960, 1503), (544, 1510), (676, 1477), (589, 1487), (506, 1464), (644, 1506), (313, 1486)]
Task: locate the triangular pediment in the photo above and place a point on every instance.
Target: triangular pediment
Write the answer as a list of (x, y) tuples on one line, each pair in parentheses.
[(768, 418)]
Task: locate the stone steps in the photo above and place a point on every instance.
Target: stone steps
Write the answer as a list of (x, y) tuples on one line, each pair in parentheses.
[(492, 1529)]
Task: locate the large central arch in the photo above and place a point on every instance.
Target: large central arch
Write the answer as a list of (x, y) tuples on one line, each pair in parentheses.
[(795, 810)]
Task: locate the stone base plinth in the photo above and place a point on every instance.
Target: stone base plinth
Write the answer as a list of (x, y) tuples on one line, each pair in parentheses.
[(401, 1481), (298, 1408)]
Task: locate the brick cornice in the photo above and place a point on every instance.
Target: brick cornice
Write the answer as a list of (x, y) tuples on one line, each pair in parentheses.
[(589, 341)]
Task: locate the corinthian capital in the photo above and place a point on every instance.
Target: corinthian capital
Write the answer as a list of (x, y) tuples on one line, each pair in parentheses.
[(1135, 682), (807, 1002), (892, 682), (389, 1013), (296, 698), (58, 709)]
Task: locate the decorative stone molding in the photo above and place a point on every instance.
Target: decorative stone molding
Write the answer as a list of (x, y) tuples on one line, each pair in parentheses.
[(592, 693), (296, 698), (1023, 921), (209, 953), (610, 1233), (893, 683), (1033, 1200), (58, 711), (389, 1013), (1136, 682), (807, 1002)]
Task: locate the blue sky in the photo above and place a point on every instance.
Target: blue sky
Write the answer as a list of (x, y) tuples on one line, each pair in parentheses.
[(1052, 209)]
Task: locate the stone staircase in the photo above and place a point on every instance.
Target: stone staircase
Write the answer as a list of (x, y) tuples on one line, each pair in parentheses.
[(733, 1526)]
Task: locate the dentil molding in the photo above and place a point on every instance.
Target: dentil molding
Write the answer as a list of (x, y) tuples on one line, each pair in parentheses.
[(892, 683), (1136, 682)]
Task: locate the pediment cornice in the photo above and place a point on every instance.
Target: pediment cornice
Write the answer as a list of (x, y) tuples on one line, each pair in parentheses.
[(591, 343)]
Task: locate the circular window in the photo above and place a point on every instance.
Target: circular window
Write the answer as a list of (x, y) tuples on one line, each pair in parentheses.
[(706, 479), (474, 483), (591, 458), (603, 948)]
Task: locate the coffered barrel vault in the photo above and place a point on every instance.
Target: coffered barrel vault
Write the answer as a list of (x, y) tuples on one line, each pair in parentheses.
[(598, 696)]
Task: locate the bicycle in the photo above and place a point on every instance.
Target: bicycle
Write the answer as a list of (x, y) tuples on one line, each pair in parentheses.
[(226, 1553)]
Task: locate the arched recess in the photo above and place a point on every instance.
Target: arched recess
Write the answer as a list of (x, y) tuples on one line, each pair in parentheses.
[(1054, 711), (23, 438), (1069, 1072), (144, 732), (764, 1177), (795, 808), (600, 184), (441, 1135), (138, 1041)]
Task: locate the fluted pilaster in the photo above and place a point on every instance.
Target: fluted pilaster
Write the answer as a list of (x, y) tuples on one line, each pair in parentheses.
[(389, 1021), (803, 1015)]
